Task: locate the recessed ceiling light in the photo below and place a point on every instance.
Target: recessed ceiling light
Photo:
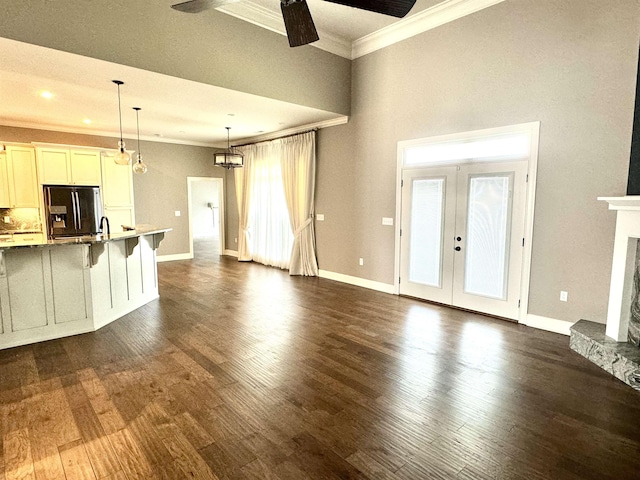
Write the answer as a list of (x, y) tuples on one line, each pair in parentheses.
[(157, 134), (87, 121), (46, 94), (231, 114)]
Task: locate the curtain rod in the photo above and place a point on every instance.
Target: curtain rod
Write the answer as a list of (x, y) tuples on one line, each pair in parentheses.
[(277, 138)]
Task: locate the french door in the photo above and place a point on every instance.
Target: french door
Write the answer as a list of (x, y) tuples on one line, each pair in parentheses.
[(462, 235)]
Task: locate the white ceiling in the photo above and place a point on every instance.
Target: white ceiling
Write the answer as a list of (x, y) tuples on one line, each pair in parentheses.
[(331, 19), (173, 109)]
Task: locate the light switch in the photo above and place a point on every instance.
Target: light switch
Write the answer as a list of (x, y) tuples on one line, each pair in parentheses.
[(387, 221), (7, 219), (320, 217), (177, 213)]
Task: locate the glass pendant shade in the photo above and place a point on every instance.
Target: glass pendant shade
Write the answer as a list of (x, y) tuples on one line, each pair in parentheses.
[(229, 158), (122, 157), (139, 166)]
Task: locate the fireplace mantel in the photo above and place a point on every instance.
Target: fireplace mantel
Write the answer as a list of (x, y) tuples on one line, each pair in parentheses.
[(623, 265), (629, 202)]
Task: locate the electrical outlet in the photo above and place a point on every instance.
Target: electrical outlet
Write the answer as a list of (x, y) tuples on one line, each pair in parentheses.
[(361, 261), (7, 219), (235, 240), (387, 220), (320, 217), (563, 296), (177, 213)]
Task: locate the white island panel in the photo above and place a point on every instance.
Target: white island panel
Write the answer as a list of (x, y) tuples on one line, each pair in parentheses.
[(26, 290), (70, 283)]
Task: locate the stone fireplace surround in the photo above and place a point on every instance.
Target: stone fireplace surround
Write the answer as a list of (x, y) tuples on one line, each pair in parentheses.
[(608, 346)]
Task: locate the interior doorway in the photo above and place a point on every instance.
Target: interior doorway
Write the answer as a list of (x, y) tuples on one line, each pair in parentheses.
[(465, 217), (206, 216)]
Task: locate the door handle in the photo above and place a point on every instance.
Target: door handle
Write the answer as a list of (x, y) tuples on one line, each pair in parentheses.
[(78, 210), (457, 249)]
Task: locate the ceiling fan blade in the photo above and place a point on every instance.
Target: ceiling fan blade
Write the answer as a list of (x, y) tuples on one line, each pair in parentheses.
[(298, 22), (395, 8), (197, 6)]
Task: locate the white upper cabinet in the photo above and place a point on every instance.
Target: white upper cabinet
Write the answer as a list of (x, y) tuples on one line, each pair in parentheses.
[(85, 167), (117, 194), (18, 178), (117, 184), (63, 166)]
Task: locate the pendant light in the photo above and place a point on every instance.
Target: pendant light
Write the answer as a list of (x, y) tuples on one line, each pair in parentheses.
[(139, 166), (229, 158), (122, 157)]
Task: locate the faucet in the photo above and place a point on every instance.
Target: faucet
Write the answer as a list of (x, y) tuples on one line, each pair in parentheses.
[(102, 220)]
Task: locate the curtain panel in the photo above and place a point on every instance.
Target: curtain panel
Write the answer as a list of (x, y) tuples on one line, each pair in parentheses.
[(299, 180), (275, 191)]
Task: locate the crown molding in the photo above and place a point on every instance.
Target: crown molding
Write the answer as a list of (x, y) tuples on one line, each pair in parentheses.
[(101, 133), (428, 19), (262, 17), (292, 131)]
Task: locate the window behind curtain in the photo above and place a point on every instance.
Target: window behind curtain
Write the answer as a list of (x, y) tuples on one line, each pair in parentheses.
[(271, 238)]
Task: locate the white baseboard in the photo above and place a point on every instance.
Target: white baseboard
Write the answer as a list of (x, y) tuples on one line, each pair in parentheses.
[(357, 281), (231, 253), (549, 324), (175, 256)]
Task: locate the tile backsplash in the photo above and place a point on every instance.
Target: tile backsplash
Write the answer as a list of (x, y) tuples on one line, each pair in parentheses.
[(20, 220)]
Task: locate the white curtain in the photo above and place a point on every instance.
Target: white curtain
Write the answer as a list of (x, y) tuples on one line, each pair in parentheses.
[(275, 192), (264, 219), (299, 180), (242, 177)]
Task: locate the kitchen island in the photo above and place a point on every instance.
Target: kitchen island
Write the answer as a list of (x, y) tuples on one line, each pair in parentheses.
[(69, 286)]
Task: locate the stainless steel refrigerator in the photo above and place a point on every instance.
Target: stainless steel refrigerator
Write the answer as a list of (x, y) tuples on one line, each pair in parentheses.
[(72, 211)]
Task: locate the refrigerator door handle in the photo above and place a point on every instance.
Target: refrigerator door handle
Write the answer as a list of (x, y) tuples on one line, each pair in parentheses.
[(75, 211), (78, 210)]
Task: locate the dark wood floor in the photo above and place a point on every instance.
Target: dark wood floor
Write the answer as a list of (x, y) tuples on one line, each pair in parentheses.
[(242, 372)]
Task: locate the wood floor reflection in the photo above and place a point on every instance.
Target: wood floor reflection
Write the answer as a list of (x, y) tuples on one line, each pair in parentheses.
[(240, 371)]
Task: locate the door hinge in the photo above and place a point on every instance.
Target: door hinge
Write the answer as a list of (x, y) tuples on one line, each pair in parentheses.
[(400, 232), (401, 183), (523, 242), (527, 178), (518, 303), (399, 279)]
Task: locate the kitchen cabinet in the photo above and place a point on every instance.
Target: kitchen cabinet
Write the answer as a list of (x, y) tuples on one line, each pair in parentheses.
[(64, 166), (18, 178), (117, 194), (119, 216)]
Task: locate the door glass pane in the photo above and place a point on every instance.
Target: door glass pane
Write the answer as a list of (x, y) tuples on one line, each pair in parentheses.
[(488, 221), (425, 257)]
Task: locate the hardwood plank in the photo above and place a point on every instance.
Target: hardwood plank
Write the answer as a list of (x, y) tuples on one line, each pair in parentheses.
[(17, 456), (75, 462), (134, 463)]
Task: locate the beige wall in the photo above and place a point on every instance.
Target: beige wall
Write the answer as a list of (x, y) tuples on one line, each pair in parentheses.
[(210, 47), (162, 190), (570, 64)]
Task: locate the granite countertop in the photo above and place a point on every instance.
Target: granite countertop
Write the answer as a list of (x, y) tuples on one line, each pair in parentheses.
[(91, 239)]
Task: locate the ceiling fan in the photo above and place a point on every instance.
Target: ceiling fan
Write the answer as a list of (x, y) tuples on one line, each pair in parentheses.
[(297, 17)]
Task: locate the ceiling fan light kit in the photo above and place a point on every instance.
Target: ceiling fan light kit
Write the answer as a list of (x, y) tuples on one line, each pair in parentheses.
[(297, 17), (229, 158)]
